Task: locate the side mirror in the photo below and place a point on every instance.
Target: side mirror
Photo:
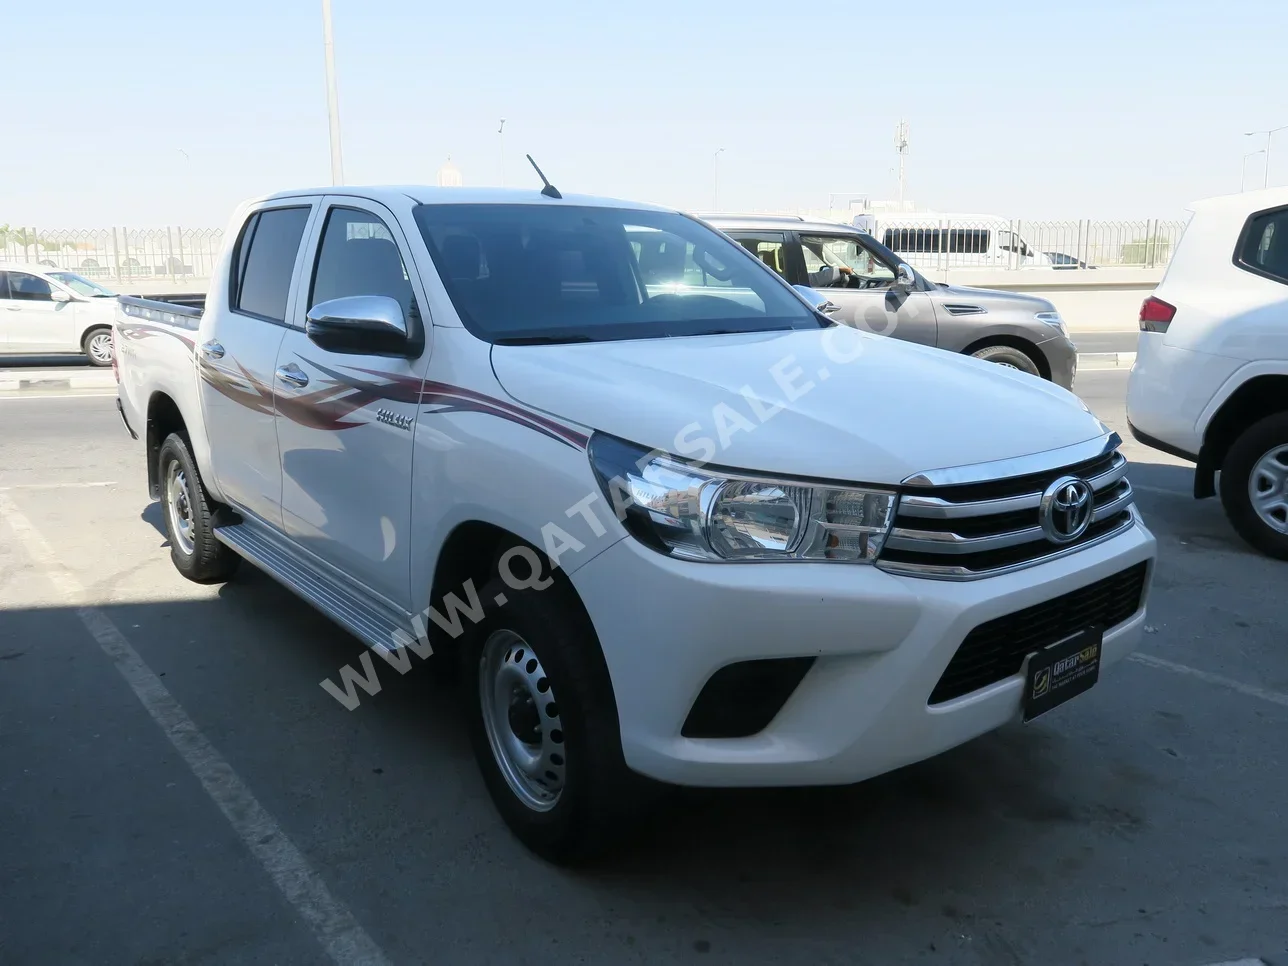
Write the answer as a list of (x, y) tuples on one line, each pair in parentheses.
[(58, 295), (817, 300), (904, 277), (359, 324)]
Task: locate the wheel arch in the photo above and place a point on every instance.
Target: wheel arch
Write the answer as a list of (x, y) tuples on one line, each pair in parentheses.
[(1255, 399)]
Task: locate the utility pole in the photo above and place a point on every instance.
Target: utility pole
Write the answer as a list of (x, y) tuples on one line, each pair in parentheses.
[(715, 199), (501, 133), (901, 145), (332, 97)]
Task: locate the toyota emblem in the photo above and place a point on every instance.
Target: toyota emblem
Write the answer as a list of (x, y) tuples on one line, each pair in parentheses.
[(1066, 509)]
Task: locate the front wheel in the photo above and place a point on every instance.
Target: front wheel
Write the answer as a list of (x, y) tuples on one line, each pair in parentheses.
[(1254, 485), (189, 519), (97, 345), (542, 719), (1009, 356)]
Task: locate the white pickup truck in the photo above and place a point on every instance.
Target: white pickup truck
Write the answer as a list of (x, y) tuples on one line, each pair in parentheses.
[(667, 525)]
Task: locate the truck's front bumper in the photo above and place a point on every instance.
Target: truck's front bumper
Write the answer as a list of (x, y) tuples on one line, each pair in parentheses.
[(881, 643)]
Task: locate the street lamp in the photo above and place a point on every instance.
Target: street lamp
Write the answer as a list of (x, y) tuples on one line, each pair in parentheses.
[(332, 98), (501, 134), (716, 189), (1265, 181), (1251, 154)]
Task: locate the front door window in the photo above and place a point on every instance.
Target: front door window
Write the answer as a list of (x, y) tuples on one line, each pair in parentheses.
[(840, 261)]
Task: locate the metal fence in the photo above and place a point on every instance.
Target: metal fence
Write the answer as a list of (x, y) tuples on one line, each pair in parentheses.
[(932, 241), (116, 254)]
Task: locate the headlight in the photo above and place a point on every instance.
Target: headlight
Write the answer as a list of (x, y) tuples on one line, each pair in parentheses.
[(1053, 318), (696, 514)]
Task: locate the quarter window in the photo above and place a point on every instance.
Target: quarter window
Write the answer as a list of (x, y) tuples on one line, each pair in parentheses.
[(1265, 245), (358, 256), (266, 257)]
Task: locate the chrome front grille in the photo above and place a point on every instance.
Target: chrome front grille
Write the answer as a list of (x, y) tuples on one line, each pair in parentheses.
[(958, 524)]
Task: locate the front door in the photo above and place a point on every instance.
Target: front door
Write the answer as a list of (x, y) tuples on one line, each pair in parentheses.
[(860, 281), (33, 321), (346, 420), (236, 352)]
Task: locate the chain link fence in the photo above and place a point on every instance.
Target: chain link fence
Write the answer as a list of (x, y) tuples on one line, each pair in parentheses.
[(116, 254)]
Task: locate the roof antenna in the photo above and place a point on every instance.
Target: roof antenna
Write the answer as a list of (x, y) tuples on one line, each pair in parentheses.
[(550, 191)]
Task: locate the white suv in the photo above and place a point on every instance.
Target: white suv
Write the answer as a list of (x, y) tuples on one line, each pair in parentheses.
[(1210, 383)]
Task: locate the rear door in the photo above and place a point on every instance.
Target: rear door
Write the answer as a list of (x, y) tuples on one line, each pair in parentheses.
[(236, 358), (33, 321), (346, 420)]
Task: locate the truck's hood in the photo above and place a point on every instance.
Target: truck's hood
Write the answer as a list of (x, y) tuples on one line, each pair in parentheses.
[(894, 410)]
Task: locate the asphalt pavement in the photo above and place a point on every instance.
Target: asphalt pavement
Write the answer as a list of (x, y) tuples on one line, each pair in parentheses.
[(175, 787)]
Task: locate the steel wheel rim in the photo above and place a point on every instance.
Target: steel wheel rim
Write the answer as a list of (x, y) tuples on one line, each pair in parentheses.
[(100, 347), (521, 720), (1268, 488), (179, 504)]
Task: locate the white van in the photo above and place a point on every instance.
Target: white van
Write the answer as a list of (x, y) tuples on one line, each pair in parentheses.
[(940, 240)]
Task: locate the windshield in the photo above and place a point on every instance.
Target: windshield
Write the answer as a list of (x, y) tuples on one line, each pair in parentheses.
[(562, 273), (82, 286)]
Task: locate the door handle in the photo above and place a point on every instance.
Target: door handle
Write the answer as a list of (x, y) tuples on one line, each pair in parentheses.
[(14, 308), (292, 375), (212, 350)]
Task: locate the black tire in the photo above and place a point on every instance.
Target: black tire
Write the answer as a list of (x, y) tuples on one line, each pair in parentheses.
[(1007, 355), (198, 555), (90, 336), (599, 794), (1254, 443)]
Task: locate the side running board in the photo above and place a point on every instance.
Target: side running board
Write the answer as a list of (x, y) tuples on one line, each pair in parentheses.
[(373, 623)]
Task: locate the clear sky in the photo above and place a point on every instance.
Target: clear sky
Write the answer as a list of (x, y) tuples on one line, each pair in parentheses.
[(148, 114)]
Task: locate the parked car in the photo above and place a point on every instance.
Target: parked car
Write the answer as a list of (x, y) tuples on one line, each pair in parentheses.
[(1210, 381), (50, 310), (876, 291), (690, 533)]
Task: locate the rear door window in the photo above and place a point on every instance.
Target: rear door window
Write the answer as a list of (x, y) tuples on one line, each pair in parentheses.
[(1264, 248), (266, 257)]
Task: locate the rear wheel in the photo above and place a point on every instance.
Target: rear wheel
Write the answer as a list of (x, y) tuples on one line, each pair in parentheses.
[(97, 345), (1254, 485), (189, 518), (543, 722), (1009, 356)]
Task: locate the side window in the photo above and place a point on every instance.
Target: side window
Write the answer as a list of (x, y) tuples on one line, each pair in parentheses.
[(4, 285), (358, 256), (770, 249), (1265, 245), (842, 261), (28, 288), (265, 259)]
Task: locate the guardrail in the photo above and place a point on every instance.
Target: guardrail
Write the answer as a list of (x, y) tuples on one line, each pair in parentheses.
[(116, 254)]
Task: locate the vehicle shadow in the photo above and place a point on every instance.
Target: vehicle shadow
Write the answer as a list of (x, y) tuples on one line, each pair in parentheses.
[(55, 360)]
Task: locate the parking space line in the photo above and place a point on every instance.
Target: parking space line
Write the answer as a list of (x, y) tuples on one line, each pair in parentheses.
[(1251, 690), (334, 926)]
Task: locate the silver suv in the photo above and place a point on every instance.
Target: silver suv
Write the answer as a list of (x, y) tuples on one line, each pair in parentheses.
[(872, 289)]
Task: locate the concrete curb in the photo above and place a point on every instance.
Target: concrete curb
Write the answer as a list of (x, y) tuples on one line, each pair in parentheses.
[(1106, 360), (56, 382)]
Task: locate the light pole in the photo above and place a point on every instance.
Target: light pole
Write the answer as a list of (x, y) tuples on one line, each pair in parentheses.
[(1265, 181), (1243, 179), (715, 160), (332, 97), (501, 133)]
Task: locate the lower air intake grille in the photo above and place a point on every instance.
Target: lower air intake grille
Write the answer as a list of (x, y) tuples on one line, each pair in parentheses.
[(996, 650)]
